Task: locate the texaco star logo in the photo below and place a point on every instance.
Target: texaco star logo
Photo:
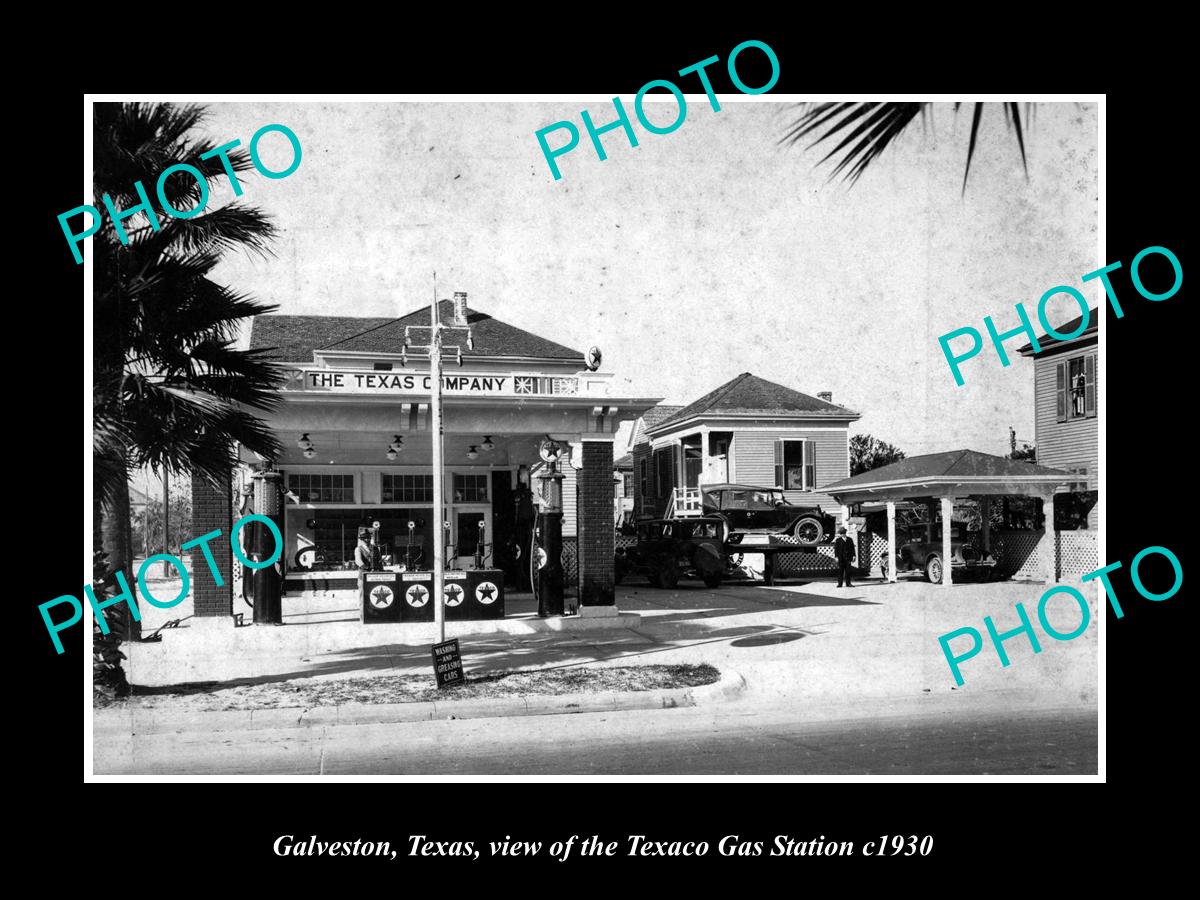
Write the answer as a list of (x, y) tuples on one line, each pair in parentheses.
[(454, 594), (381, 597), (417, 596), (486, 593)]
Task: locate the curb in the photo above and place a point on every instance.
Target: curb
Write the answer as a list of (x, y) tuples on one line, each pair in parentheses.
[(152, 721)]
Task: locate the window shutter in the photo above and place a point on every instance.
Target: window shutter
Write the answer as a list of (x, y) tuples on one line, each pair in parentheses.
[(810, 464), (779, 463), (1060, 389), (1089, 392)]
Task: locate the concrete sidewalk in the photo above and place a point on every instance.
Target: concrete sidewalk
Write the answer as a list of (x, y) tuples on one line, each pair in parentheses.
[(803, 641)]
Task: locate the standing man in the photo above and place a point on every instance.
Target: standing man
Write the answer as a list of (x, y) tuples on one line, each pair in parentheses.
[(843, 552), (362, 555)]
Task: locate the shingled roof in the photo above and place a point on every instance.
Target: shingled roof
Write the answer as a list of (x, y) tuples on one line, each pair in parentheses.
[(951, 464), (1046, 341), (749, 395), (294, 338)]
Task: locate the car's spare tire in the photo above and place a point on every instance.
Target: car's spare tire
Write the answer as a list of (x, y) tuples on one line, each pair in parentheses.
[(809, 531)]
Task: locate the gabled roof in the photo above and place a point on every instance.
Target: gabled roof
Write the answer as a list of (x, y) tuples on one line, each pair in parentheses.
[(649, 419), (625, 462), (1046, 341), (294, 338), (952, 464), (749, 395)]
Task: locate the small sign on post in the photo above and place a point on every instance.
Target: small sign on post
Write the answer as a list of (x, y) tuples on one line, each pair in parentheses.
[(447, 663)]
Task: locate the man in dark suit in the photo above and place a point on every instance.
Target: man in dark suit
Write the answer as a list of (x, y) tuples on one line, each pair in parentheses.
[(843, 552)]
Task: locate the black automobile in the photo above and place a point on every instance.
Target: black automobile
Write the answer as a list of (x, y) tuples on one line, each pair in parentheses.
[(670, 548), (922, 552), (765, 510)]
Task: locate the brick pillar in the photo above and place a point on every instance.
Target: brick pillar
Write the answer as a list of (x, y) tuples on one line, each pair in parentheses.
[(212, 509), (595, 525)]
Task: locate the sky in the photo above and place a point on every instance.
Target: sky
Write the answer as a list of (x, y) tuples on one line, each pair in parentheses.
[(699, 254)]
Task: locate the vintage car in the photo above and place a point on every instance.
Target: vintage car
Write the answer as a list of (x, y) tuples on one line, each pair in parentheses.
[(669, 548), (765, 510), (922, 552)]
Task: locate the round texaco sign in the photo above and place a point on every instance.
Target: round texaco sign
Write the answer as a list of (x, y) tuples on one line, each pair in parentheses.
[(454, 594), (417, 595), (486, 593), (381, 596)]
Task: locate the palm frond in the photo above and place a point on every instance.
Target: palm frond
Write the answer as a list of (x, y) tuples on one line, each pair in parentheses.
[(171, 391), (971, 147), (867, 129)]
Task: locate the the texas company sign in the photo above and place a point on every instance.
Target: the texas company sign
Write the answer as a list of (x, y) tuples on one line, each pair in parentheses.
[(415, 383)]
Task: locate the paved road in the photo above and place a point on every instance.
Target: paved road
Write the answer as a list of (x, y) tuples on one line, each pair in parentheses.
[(732, 739)]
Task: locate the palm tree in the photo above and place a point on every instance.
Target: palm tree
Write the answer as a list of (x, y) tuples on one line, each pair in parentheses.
[(170, 391), (872, 126)]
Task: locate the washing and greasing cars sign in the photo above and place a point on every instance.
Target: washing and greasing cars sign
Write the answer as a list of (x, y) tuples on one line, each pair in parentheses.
[(447, 663)]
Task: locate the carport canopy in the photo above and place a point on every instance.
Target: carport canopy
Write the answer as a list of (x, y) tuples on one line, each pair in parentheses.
[(956, 474)]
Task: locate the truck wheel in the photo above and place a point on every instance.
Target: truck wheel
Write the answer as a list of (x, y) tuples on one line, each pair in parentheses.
[(933, 570), (712, 580), (668, 575), (809, 531)]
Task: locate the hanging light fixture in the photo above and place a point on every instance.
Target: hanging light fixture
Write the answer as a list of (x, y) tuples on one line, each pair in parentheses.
[(488, 444), (304, 443), (310, 453), (397, 443), (473, 452), (391, 454)]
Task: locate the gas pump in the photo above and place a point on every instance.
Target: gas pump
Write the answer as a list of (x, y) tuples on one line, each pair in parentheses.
[(480, 546), (376, 550), (413, 556), (262, 587), (549, 535)]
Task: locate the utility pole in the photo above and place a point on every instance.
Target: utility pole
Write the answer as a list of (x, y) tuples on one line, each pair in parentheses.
[(434, 348), (439, 488)]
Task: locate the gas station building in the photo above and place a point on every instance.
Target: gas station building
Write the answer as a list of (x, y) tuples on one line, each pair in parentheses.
[(354, 423)]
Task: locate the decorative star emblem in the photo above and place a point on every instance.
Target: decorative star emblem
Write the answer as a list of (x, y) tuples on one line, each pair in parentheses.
[(381, 597), (417, 595), (454, 595), (524, 385), (485, 592)]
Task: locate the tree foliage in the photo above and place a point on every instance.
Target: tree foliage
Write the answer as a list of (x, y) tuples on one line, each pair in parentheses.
[(170, 390), (868, 452)]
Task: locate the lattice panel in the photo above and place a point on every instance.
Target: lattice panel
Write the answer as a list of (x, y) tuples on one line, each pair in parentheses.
[(820, 559), (1077, 552), (1017, 554), (624, 540), (570, 560)]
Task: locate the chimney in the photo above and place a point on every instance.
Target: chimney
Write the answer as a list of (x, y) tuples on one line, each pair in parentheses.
[(460, 308), (827, 396)]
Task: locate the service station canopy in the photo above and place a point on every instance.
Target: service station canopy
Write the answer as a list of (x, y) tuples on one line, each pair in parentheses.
[(956, 473), (351, 414)]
